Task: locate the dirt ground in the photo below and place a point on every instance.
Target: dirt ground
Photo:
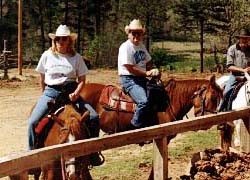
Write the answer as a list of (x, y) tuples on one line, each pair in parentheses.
[(19, 94)]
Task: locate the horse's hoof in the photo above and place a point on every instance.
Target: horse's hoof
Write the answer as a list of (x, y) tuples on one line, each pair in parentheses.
[(145, 142), (96, 159)]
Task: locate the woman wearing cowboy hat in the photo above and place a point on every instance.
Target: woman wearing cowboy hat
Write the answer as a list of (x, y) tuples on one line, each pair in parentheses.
[(62, 69), (133, 58), (238, 62)]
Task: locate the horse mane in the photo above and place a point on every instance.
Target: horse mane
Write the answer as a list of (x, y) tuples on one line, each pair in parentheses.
[(180, 93), (177, 87), (72, 120)]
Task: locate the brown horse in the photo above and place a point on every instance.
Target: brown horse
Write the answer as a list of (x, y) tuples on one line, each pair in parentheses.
[(69, 125), (204, 95)]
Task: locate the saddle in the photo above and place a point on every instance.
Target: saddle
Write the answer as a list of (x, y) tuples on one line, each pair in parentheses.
[(42, 130), (114, 98)]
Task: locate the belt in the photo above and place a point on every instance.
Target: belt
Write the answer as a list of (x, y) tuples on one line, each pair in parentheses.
[(56, 87), (134, 77), (66, 85)]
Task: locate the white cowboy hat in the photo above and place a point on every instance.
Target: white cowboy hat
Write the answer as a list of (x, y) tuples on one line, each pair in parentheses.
[(134, 25), (63, 30)]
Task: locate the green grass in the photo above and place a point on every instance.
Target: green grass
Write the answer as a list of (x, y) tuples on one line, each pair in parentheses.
[(185, 57), (124, 163), (194, 142)]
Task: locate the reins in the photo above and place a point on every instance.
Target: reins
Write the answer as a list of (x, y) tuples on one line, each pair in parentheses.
[(202, 95)]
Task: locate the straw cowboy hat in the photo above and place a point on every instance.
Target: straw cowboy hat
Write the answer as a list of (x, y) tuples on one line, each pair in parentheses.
[(243, 33), (134, 25), (63, 30)]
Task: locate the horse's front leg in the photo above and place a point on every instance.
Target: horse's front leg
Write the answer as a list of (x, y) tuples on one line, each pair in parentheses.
[(48, 172), (50, 175), (22, 176), (226, 136)]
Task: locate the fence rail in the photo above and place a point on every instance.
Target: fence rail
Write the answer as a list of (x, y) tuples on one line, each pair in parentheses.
[(18, 163), (12, 61)]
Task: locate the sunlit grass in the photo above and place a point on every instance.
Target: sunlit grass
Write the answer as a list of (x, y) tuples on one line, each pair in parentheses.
[(185, 57), (124, 163)]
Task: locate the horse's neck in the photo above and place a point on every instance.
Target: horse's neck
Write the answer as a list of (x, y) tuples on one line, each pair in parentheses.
[(181, 96)]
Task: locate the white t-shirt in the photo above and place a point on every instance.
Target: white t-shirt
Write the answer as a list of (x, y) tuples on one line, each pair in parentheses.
[(59, 68), (131, 54)]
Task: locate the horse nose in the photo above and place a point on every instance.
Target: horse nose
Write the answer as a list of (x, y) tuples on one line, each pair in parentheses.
[(71, 170), (72, 176)]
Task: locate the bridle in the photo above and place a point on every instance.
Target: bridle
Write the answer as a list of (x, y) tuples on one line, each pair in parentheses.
[(68, 166), (201, 94)]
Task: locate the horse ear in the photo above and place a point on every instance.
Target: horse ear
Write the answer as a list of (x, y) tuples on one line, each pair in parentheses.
[(212, 79), (213, 84), (85, 116)]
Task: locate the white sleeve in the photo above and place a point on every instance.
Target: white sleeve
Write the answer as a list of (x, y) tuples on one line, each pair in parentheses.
[(125, 56), (81, 68), (41, 64)]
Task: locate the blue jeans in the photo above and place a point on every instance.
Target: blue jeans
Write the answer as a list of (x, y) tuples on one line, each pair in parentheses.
[(136, 88), (228, 94), (41, 109)]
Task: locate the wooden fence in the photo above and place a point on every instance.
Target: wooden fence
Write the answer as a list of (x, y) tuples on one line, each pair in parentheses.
[(18, 163), (12, 61)]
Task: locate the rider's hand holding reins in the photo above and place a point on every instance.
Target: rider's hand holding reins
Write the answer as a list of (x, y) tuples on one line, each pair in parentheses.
[(153, 73), (73, 96)]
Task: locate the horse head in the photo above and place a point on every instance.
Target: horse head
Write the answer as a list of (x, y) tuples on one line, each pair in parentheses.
[(72, 128), (207, 98)]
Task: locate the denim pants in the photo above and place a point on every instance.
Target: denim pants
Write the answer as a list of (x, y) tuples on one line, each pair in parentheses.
[(136, 88), (41, 109), (228, 93)]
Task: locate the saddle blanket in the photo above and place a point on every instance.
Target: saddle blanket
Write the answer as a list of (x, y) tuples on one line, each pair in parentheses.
[(114, 98)]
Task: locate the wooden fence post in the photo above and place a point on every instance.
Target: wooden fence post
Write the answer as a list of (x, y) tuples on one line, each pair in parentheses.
[(160, 163), (5, 76), (245, 135)]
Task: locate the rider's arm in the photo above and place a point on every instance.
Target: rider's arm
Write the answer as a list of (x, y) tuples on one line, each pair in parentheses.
[(42, 83), (233, 68), (81, 81), (134, 70)]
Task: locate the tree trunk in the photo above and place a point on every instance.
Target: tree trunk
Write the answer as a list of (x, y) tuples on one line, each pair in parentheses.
[(97, 17), (41, 25), (1, 9), (201, 44), (79, 5), (66, 12), (148, 32)]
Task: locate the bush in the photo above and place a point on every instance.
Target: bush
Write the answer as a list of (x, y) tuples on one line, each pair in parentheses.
[(159, 57)]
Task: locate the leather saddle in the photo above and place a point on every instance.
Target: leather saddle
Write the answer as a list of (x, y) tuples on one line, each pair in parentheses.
[(114, 98)]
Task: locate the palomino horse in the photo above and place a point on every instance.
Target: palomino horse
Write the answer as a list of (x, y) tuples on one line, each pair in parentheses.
[(241, 100), (69, 125), (204, 95)]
